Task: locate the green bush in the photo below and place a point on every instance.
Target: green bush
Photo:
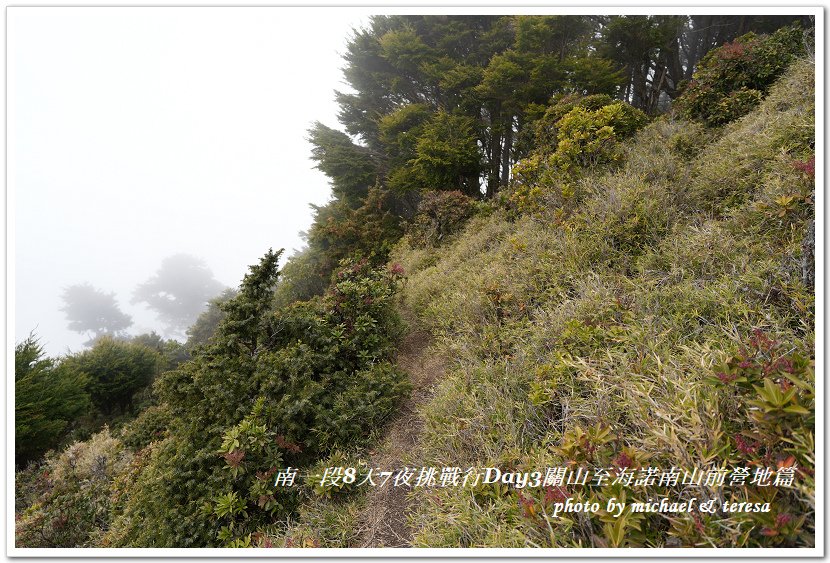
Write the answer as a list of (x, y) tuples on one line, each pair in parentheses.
[(732, 79), (341, 232), (116, 370), (272, 389), (545, 130), (149, 426), (585, 139)]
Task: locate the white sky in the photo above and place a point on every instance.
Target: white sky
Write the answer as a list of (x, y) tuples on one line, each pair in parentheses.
[(137, 133)]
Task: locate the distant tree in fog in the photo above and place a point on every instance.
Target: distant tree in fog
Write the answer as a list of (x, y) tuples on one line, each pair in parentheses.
[(179, 291), (93, 312)]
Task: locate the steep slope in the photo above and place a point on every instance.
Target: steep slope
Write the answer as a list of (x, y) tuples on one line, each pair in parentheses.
[(658, 324)]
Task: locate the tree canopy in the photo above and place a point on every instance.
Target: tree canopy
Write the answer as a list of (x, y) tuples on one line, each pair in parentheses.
[(91, 311), (114, 370), (179, 291)]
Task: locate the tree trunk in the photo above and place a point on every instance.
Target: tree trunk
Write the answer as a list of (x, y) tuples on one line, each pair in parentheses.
[(494, 152), (656, 89), (639, 98), (505, 153), (493, 165), (674, 67)]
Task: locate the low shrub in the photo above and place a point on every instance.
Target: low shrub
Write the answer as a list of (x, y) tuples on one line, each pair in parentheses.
[(72, 505), (440, 215), (149, 426)]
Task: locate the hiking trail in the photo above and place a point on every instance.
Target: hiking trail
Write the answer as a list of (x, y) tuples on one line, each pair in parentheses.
[(383, 522)]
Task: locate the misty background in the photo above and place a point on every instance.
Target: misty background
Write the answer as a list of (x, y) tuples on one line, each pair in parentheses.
[(137, 134)]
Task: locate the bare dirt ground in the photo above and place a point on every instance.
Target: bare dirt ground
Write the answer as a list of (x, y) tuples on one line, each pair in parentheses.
[(384, 520)]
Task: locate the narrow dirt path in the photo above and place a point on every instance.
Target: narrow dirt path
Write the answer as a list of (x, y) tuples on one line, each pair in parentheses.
[(384, 519)]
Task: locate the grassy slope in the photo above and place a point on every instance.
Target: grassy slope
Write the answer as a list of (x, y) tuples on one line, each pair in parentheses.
[(609, 322)]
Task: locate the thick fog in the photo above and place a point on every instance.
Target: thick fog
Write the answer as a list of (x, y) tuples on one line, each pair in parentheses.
[(140, 134)]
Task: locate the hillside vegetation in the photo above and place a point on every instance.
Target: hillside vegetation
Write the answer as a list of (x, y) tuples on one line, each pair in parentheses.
[(637, 291), (663, 322)]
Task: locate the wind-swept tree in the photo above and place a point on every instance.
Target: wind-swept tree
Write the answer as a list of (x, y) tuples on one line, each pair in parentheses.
[(436, 102), (179, 291), (91, 311)]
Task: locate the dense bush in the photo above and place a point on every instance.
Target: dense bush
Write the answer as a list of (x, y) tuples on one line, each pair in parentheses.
[(770, 387), (340, 232), (545, 130), (115, 370), (272, 389), (149, 426), (585, 139), (731, 80)]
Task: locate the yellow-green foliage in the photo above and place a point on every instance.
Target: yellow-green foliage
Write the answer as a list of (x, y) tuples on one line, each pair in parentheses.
[(568, 145), (639, 329)]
